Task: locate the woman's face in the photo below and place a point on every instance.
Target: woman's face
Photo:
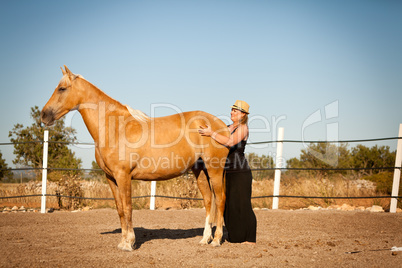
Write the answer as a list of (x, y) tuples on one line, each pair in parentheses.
[(236, 115)]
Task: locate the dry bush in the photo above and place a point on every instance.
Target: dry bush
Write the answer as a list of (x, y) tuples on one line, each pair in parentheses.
[(17, 189), (183, 186), (97, 189), (103, 196), (332, 186), (69, 185), (139, 189)]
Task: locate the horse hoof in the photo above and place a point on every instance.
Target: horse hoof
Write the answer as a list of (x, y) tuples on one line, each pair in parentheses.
[(125, 247), (128, 248), (216, 244), (205, 241)]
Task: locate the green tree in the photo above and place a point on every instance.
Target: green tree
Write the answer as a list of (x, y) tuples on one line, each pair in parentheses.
[(96, 171), (261, 162), (31, 154), (321, 156), (374, 157), (383, 182), (4, 170)]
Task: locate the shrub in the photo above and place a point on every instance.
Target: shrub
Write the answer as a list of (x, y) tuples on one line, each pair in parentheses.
[(70, 186), (383, 181)]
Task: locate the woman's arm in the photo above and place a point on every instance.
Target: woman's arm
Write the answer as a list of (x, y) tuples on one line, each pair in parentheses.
[(239, 135)]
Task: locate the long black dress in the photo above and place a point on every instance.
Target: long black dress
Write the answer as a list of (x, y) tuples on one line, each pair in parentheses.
[(240, 220)]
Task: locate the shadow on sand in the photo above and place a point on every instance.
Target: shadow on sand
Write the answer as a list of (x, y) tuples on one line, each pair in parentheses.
[(143, 235)]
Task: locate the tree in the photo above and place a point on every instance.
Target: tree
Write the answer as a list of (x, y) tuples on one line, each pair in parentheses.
[(321, 156), (96, 171), (261, 162), (374, 157), (4, 170), (31, 154)]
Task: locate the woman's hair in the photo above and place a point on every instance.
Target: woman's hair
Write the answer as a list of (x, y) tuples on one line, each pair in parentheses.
[(244, 119)]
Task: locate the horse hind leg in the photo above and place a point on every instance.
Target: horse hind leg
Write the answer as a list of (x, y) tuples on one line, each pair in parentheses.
[(219, 197), (203, 185)]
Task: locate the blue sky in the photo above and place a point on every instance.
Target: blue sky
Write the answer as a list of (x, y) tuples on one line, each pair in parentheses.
[(292, 61)]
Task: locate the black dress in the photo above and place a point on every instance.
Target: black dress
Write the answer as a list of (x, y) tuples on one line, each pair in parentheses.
[(240, 220)]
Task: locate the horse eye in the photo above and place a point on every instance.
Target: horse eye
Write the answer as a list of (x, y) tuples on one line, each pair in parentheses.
[(61, 89)]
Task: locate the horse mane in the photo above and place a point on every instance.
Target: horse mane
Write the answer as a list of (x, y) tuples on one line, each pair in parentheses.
[(137, 114), (67, 81)]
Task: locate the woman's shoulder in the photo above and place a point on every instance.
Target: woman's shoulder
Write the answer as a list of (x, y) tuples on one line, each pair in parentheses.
[(243, 127)]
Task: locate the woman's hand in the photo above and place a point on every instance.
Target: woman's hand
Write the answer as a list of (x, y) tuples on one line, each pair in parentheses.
[(205, 131)]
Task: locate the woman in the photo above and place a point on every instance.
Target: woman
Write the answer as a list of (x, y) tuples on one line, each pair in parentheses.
[(240, 220)]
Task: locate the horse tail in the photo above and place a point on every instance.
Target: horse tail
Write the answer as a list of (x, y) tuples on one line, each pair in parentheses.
[(213, 213)]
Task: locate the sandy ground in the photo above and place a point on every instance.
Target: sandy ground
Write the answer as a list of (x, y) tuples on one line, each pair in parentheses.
[(169, 238)]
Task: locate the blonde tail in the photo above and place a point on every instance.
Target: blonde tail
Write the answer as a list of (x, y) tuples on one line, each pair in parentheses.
[(213, 213)]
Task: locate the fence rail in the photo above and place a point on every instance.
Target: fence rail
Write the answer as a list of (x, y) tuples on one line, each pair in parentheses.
[(394, 196), (258, 142), (253, 169), (340, 141), (200, 199)]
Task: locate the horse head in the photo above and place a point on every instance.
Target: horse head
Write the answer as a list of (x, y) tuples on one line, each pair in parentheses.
[(66, 97)]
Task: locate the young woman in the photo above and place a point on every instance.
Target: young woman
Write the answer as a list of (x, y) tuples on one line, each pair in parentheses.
[(240, 220)]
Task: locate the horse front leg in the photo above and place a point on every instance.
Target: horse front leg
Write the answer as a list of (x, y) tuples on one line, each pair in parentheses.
[(122, 194), (203, 185), (128, 236), (119, 207)]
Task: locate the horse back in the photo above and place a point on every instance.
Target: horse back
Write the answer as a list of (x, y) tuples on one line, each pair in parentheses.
[(174, 145), (182, 129)]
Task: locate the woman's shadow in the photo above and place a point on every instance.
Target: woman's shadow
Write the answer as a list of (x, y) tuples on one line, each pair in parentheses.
[(143, 235)]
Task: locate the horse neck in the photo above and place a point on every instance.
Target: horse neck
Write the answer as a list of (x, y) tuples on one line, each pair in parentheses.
[(95, 107)]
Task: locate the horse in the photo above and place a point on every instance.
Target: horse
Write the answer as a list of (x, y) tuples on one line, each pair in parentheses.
[(129, 145)]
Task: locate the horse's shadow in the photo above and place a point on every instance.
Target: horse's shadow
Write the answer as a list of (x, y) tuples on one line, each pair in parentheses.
[(143, 235)]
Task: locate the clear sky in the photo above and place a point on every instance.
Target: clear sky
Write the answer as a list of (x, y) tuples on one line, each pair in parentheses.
[(319, 69)]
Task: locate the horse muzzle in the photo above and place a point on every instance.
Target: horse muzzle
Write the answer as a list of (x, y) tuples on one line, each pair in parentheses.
[(47, 117)]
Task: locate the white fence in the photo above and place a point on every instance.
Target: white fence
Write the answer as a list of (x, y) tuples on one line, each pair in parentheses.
[(280, 166), (278, 169)]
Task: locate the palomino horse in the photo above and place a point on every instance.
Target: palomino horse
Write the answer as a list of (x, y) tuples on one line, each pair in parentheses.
[(131, 146)]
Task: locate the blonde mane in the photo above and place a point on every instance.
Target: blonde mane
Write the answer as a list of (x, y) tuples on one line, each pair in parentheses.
[(65, 80), (137, 114)]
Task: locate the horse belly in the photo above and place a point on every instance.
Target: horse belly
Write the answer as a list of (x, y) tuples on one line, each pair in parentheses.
[(161, 165)]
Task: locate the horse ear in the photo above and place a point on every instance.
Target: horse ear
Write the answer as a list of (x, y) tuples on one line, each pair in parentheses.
[(64, 72), (69, 73), (67, 70)]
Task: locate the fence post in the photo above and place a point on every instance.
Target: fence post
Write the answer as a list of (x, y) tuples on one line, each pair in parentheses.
[(397, 172), (44, 171), (278, 164), (153, 191)]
